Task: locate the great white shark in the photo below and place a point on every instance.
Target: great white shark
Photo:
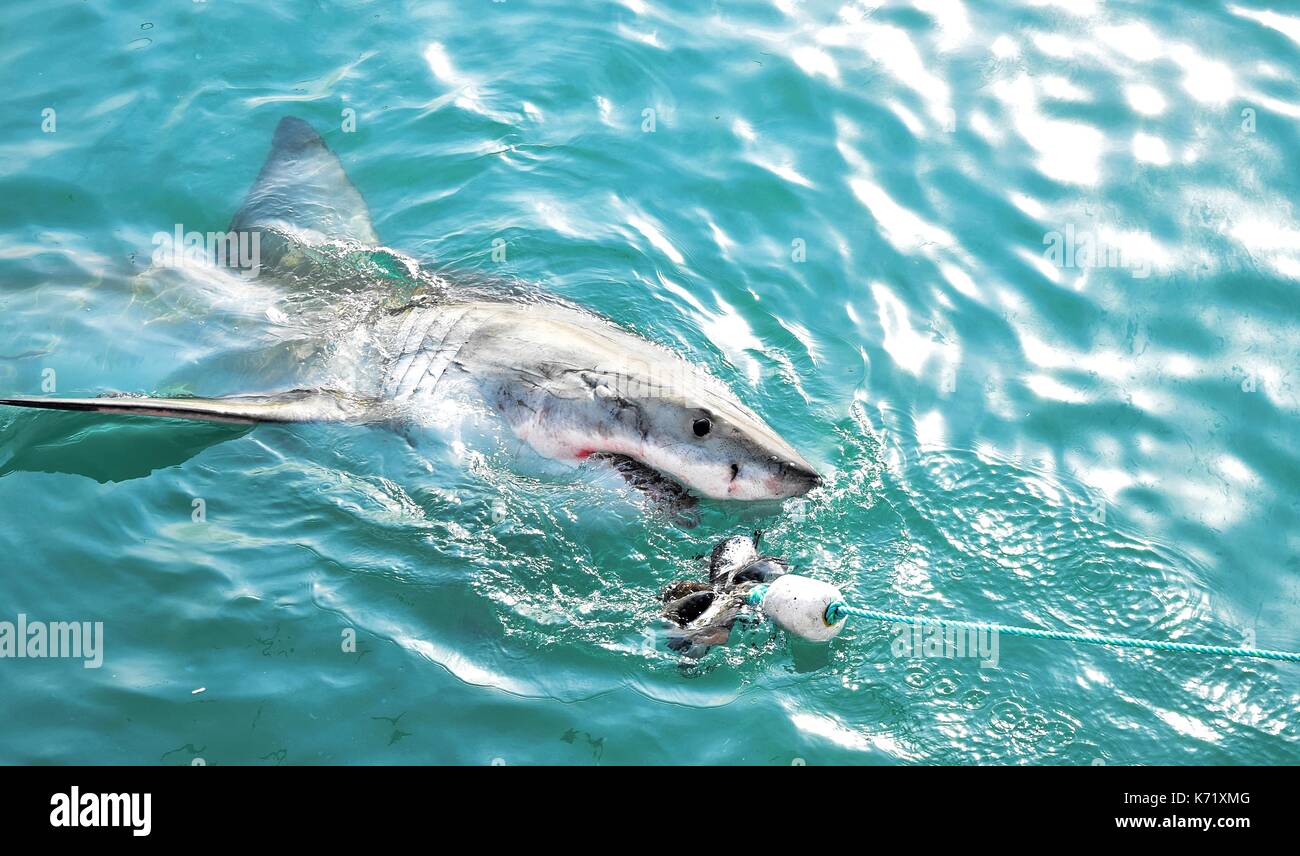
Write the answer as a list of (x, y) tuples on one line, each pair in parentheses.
[(572, 385)]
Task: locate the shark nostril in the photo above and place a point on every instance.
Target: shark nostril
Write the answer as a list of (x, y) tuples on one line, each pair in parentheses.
[(735, 471), (800, 473)]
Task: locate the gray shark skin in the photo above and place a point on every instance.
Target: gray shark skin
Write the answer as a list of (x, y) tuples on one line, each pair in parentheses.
[(570, 384)]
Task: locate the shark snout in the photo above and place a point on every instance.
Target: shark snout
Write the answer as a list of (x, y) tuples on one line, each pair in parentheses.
[(797, 477), (765, 466), (791, 478), (772, 477)]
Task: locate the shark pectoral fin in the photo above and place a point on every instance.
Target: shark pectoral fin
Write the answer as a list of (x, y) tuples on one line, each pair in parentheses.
[(299, 405), (302, 196), (667, 495), (104, 448)]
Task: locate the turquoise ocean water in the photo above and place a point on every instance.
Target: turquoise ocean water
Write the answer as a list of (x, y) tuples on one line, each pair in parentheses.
[(1020, 278)]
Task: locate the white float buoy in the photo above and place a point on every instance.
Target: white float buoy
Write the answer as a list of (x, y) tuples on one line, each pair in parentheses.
[(798, 605)]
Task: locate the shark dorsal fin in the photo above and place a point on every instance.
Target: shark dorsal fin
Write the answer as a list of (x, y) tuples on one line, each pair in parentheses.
[(303, 193)]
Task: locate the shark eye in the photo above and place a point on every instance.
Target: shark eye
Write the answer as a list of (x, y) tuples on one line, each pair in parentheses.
[(701, 427)]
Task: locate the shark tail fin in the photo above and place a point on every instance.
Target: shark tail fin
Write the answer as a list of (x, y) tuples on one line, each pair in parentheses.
[(299, 405)]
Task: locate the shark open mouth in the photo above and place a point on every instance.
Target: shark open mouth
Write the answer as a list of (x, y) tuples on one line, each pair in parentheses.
[(666, 493)]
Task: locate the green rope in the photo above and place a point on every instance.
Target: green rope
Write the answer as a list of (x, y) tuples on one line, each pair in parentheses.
[(836, 612)]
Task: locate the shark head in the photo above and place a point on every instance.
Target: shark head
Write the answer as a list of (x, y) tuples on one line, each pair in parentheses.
[(703, 437), (596, 391)]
